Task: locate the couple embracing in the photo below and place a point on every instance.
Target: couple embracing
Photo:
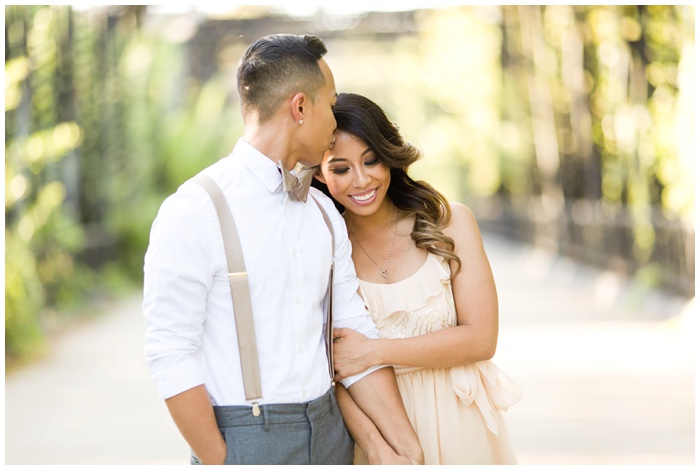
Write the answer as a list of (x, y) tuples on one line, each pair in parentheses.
[(406, 377)]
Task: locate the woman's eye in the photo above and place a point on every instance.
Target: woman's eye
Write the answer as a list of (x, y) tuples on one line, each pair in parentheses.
[(372, 162), (340, 171)]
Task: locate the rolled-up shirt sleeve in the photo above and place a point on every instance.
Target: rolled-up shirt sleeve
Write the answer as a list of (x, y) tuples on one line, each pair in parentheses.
[(177, 276), (349, 310)]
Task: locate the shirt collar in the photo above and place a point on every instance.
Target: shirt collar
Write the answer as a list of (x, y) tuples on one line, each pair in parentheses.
[(260, 165)]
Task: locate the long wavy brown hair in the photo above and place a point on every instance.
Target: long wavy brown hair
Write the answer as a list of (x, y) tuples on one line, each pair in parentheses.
[(361, 117)]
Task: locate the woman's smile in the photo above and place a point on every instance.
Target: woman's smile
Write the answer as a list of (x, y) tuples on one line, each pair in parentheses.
[(365, 197)]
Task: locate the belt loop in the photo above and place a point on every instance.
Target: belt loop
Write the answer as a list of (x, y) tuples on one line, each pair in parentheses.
[(266, 418)]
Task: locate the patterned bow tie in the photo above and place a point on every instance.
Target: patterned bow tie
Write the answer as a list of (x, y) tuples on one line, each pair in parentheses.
[(299, 181)]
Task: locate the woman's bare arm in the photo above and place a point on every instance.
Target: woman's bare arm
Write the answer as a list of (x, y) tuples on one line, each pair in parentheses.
[(474, 338)]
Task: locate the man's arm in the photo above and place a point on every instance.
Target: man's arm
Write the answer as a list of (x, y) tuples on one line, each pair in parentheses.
[(377, 396), (375, 392), (177, 278), (194, 416), (365, 433)]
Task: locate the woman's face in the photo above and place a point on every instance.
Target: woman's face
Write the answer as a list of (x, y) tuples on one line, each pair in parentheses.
[(354, 175)]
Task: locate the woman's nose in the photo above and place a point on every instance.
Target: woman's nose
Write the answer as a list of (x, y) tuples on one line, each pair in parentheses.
[(361, 178)]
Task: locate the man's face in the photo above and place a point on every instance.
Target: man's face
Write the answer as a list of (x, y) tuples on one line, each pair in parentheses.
[(319, 122)]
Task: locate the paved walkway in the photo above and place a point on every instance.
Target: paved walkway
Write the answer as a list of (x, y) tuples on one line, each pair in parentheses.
[(607, 373)]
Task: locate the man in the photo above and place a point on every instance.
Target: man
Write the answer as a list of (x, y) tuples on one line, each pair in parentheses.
[(287, 94)]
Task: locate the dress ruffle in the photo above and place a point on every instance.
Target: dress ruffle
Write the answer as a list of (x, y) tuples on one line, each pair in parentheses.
[(484, 384), (392, 298)]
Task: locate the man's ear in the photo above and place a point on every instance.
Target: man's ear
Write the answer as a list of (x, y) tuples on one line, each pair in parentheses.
[(298, 104)]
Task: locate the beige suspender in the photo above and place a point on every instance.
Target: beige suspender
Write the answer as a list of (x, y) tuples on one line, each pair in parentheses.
[(240, 292), (328, 327)]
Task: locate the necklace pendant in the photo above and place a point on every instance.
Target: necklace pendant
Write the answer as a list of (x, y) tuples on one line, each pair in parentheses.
[(385, 273)]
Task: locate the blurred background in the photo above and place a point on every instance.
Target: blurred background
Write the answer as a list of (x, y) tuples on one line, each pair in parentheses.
[(569, 131)]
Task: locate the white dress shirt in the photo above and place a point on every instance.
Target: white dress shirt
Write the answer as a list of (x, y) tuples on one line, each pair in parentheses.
[(190, 327)]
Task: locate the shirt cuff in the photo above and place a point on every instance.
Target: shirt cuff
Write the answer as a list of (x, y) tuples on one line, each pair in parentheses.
[(178, 379), (347, 381)]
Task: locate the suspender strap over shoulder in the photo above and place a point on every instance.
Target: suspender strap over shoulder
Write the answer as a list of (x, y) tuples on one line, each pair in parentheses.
[(240, 292), (328, 333)]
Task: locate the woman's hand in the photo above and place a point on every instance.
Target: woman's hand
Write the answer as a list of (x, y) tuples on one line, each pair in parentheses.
[(352, 352)]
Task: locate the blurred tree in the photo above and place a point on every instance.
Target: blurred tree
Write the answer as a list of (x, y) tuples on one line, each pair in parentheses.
[(100, 125), (41, 236), (596, 101), (568, 126)]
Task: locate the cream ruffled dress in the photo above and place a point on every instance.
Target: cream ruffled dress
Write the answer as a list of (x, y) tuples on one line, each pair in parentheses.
[(456, 412)]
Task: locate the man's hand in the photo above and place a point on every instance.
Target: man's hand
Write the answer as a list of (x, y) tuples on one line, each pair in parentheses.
[(387, 456)]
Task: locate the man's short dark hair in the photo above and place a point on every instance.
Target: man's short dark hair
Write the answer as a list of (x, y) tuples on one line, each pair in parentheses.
[(277, 66)]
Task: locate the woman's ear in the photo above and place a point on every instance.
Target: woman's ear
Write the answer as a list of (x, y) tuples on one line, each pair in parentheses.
[(319, 176)]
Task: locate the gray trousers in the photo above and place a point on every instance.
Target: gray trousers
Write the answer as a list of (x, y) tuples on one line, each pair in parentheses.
[(310, 433)]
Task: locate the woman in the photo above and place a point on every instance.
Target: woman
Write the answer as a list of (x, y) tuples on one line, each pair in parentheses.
[(428, 284)]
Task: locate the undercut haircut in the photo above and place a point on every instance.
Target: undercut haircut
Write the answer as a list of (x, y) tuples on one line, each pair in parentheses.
[(276, 67)]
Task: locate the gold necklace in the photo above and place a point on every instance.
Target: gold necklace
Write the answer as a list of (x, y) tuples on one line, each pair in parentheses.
[(384, 272)]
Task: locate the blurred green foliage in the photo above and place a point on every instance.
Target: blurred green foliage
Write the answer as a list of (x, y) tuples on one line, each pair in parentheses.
[(570, 127), (566, 126), (97, 133)]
